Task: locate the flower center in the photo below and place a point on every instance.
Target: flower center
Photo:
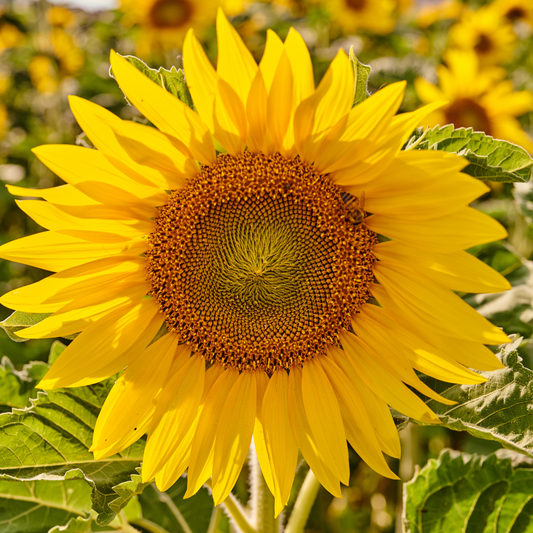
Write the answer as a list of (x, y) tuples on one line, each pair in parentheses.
[(483, 44), (516, 13), (356, 5), (170, 13), (466, 113), (258, 262)]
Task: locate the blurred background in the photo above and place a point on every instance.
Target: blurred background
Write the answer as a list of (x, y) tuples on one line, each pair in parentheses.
[(478, 56)]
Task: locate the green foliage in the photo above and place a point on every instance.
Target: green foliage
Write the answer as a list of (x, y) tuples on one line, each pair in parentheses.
[(490, 159), (51, 440), (361, 73), (37, 506), (459, 492), (19, 320), (172, 80), (195, 512), (18, 386), (498, 409)]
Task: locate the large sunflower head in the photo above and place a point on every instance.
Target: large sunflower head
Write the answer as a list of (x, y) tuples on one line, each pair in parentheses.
[(486, 33), (477, 98), (515, 10), (285, 286)]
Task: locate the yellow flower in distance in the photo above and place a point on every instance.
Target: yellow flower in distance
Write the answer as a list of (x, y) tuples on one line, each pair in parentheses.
[(164, 23), (262, 263), (477, 98), (373, 15), (485, 32), (514, 10)]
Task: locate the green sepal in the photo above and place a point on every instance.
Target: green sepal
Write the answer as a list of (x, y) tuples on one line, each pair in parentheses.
[(172, 80), (490, 159), (20, 320), (361, 73)]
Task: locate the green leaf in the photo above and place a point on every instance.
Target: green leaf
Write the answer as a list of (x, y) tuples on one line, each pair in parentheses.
[(169, 510), (172, 80), (18, 386), (19, 320), (51, 440), (490, 159), (498, 409), (37, 506), (460, 492), (361, 73), (55, 351)]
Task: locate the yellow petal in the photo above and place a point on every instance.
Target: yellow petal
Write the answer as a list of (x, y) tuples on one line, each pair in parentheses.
[(281, 446), (302, 67), (459, 271), (280, 103), (379, 413), (236, 64), (73, 317), (331, 101), (52, 218), (365, 122), (132, 398), (201, 78), (202, 452), (234, 434), (259, 434), (166, 111), (269, 62), (177, 406), (175, 467), (256, 112), (73, 283), (63, 195), (359, 429), (105, 347), (304, 436), (77, 165), (358, 358), (52, 251), (441, 308), (143, 149), (462, 229), (323, 412)]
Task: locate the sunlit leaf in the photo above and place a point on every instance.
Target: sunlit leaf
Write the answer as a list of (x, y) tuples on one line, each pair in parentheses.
[(37, 506), (51, 440), (361, 73), (19, 320), (498, 410), (490, 159), (461, 492)]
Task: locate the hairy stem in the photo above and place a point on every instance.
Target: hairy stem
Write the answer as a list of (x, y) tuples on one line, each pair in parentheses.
[(304, 502)]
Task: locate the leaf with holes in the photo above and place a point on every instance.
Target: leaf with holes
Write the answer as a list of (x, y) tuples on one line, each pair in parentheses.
[(490, 159), (461, 492), (18, 386), (50, 441)]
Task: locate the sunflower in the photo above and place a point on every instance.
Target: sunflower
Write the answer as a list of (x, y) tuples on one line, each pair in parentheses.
[(374, 15), (164, 23), (428, 14), (239, 290), (477, 98), (485, 32), (514, 10)]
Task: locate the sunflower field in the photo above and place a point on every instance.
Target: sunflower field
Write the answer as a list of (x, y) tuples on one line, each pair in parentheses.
[(266, 266)]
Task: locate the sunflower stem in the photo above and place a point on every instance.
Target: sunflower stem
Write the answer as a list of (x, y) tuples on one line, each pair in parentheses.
[(304, 502), (261, 499), (237, 513)]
